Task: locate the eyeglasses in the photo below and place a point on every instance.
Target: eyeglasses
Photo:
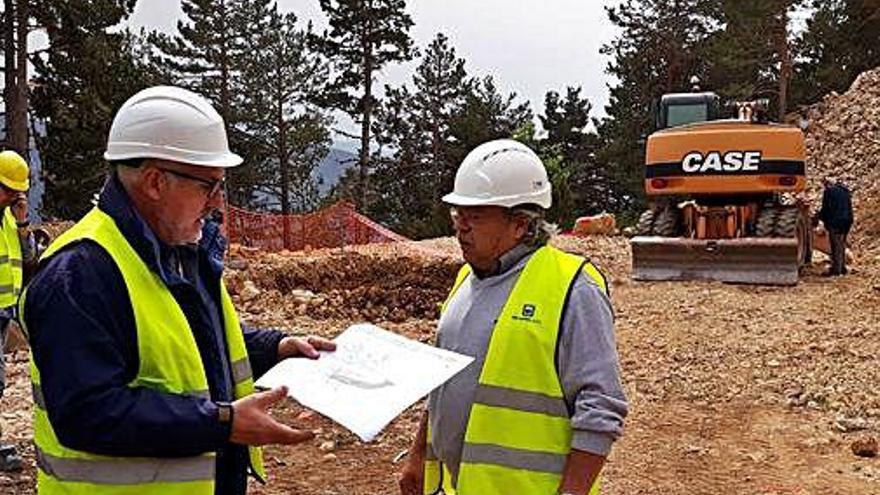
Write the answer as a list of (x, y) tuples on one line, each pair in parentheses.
[(471, 214), (212, 186)]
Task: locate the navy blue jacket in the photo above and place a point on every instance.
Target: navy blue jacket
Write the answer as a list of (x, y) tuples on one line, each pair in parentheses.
[(82, 332), (836, 212)]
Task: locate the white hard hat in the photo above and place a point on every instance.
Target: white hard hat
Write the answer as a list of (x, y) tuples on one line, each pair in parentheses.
[(170, 123), (504, 173)]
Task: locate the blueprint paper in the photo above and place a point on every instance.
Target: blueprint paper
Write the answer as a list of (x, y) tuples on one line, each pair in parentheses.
[(372, 377)]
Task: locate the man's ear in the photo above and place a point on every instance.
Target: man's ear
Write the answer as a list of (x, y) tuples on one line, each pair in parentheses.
[(521, 225), (153, 183)]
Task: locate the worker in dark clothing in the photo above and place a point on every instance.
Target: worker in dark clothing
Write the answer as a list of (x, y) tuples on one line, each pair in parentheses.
[(837, 216), (143, 376)]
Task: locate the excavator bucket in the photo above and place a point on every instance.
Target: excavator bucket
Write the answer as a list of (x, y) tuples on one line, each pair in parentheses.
[(763, 261)]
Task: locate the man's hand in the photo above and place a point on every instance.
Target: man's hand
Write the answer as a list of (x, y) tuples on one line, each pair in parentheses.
[(252, 424), (412, 476), (19, 207), (304, 347), (581, 470)]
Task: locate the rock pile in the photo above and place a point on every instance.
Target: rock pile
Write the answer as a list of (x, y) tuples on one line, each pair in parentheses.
[(377, 284), (843, 141)]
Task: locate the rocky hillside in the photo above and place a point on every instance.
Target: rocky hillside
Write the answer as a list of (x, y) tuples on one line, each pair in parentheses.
[(843, 141)]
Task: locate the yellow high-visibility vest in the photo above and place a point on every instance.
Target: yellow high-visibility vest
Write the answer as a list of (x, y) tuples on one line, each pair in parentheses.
[(169, 361), (10, 261), (518, 435)]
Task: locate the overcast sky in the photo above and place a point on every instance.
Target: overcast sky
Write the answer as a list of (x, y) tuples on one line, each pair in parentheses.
[(530, 47)]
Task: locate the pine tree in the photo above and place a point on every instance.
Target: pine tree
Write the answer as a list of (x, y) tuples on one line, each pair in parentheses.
[(841, 41), (750, 56), (580, 184), (424, 130), (364, 37), (81, 80), (287, 133), (566, 120), (206, 56), (203, 55), (658, 50), (16, 17), (413, 131), (485, 115)]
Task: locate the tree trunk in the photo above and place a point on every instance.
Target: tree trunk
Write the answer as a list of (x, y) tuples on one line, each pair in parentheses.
[(785, 64), (239, 193), (283, 168), (367, 48), (9, 74), (17, 123), (224, 65), (365, 128)]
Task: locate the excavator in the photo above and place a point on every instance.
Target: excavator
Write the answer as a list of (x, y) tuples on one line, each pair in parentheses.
[(722, 196)]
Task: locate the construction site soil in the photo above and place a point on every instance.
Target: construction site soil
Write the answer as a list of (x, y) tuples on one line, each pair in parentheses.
[(733, 389)]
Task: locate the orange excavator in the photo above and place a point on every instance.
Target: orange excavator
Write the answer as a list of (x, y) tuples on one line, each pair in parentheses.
[(722, 196)]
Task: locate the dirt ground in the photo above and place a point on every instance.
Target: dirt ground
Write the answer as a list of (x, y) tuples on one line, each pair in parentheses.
[(733, 389)]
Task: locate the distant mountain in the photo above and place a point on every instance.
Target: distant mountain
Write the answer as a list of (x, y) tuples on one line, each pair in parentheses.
[(333, 167), (330, 170)]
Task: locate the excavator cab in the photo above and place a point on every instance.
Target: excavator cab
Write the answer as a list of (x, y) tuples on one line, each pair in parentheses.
[(721, 195), (686, 108)]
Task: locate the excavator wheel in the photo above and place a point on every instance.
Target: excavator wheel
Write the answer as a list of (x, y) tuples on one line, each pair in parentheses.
[(805, 240), (645, 225), (667, 222), (766, 223), (787, 223)]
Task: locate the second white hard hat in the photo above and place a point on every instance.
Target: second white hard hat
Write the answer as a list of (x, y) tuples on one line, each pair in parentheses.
[(170, 123), (504, 173)]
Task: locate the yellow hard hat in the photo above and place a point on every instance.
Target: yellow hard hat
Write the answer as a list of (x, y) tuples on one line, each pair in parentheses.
[(14, 171)]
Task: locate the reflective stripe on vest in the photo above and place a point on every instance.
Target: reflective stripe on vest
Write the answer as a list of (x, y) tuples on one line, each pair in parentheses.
[(127, 471), (518, 434), (241, 370), (10, 261), (169, 361)]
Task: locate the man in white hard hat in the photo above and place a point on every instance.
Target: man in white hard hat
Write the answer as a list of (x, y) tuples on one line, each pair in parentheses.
[(16, 249), (539, 408), (143, 377)]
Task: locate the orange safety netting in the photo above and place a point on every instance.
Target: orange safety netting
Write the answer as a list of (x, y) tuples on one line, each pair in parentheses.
[(335, 226)]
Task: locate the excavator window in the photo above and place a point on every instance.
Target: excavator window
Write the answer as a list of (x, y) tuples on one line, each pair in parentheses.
[(686, 114)]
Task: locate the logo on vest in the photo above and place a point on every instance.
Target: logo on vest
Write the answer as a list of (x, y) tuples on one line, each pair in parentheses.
[(527, 314)]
